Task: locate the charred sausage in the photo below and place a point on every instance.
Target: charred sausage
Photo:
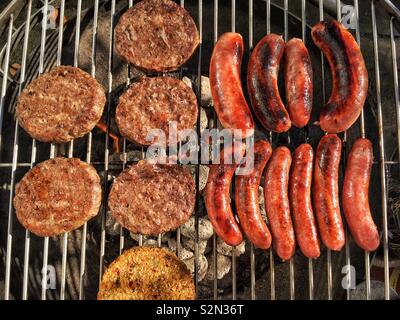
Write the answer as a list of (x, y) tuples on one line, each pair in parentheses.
[(325, 192), (276, 180), (218, 201), (262, 84), (300, 201), (350, 76), (226, 88), (298, 82), (355, 196), (247, 200)]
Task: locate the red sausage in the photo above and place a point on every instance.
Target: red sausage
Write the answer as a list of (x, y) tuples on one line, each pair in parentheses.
[(247, 200), (325, 192), (218, 201), (262, 83), (300, 201), (298, 82), (355, 196), (276, 180), (350, 76), (226, 88)]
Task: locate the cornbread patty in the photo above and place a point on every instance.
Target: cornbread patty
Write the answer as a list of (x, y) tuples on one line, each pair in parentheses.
[(57, 195), (152, 103), (147, 273), (156, 35), (152, 198), (61, 105)]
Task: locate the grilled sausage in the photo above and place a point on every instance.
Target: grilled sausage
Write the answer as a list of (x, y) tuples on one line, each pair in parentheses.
[(226, 89), (218, 200), (350, 77), (247, 200), (300, 201), (298, 82), (355, 196), (276, 180), (262, 84), (325, 192)]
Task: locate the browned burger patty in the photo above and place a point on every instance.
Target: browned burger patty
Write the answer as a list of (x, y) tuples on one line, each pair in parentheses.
[(156, 35), (152, 198), (57, 195), (147, 273), (61, 105), (151, 103)]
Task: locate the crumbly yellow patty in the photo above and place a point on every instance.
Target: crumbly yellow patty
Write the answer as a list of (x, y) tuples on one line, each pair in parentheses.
[(147, 273)]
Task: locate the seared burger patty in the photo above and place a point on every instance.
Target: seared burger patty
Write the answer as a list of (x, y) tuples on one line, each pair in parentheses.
[(57, 195), (152, 198), (156, 35), (61, 105), (151, 103), (147, 273)]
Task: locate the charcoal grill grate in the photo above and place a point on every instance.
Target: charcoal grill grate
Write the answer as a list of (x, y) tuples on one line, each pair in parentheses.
[(382, 163)]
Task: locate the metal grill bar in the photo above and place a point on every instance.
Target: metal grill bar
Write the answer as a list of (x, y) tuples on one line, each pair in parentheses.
[(198, 93), (271, 252), (178, 231), (310, 261), (33, 155), (214, 124), (64, 239), (291, 262), (362, 133), (46, 239), (5, 70), (124, 155), (234, 285), (233, 13), (65, 235), (41, 62), (33, 152), (328, 253), (107, 138), (82, 269), (252, 254), (344, 141), (2, 99), (381, 152), (71, 143)]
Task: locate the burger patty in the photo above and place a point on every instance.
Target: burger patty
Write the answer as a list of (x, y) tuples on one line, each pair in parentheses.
[(156, 35), (152, 103), (57, 196), (152, 198), (61, 105), (147, 273)]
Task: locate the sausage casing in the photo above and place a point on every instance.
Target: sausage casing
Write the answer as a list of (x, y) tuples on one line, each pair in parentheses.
[(326, 193), (262, 84), (350, 76), (298, 82), (218, 201), (247, 199), (229, 102), (300, 201), (355, 196), (276, 181)]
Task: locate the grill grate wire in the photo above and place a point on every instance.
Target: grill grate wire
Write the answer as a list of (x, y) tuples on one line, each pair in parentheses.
[(382, 162)]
